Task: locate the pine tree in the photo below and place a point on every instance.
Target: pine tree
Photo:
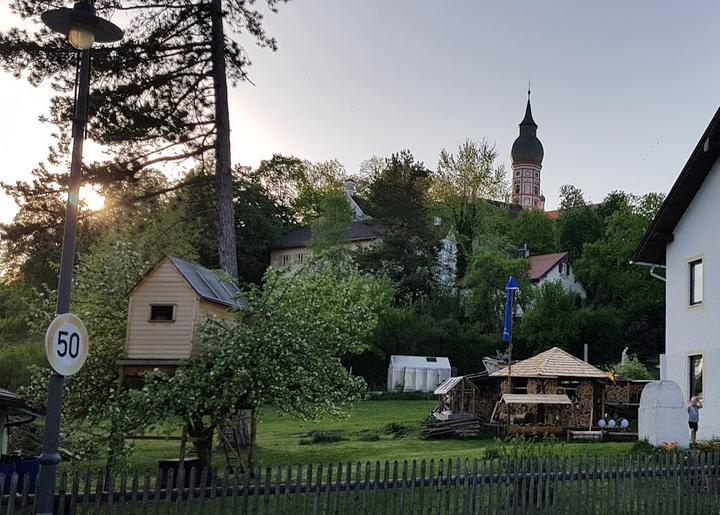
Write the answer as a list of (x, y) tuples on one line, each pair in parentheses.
[(160, 95)]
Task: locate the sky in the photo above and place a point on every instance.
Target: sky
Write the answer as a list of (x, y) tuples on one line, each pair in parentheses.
[(621, 91)]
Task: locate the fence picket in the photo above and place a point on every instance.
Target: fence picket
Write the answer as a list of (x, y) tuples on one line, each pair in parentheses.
[(431, 482), (11, 493)]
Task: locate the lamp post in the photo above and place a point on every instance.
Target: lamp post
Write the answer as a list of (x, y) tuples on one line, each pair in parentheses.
[(83, 28)]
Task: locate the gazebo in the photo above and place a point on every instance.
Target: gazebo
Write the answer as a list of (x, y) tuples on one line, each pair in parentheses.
[(550, 392)]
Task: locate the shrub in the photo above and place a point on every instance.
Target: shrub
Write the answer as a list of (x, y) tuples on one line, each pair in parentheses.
[(16, 362), (643, 447), (633, 368), (314, 437), (369, 435), (398, 430), (520, 447)]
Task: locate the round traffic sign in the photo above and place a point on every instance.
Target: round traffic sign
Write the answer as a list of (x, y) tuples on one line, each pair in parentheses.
[(66, 344)]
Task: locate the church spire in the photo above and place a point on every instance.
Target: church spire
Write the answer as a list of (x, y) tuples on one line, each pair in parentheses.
[(527, 156)]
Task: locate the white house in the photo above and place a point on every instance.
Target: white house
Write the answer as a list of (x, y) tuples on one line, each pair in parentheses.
[(684, 238), (554, 268)]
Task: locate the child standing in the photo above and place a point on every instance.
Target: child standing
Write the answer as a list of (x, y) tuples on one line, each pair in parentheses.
[(694, 417)]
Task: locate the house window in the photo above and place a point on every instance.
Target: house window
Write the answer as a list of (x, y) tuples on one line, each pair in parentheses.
[(696, 375), (162, 313), (286, 259), (564, 268), (696, 282), (537, 190), (517, 188), (299, 258)]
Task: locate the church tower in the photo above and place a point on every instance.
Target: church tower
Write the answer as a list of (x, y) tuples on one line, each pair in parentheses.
[(527, 155)]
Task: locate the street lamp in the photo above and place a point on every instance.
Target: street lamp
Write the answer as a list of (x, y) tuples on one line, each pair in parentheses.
[(83, 28)]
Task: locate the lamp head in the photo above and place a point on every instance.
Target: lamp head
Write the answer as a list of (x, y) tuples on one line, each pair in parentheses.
[(82, 26)]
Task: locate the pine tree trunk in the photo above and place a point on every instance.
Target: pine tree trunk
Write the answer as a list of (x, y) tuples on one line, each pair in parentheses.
[(223, 172)]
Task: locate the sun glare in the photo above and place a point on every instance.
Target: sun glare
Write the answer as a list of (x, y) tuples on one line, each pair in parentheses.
[(93, 200)]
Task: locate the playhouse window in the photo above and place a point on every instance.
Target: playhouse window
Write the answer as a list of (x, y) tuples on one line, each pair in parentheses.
[(162, 313), (696, 375)]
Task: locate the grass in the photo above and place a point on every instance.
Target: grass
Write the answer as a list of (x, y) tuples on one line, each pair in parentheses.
[(373, 431)]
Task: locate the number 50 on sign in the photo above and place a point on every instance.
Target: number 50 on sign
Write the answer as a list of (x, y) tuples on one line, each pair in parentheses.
[(66, 344)]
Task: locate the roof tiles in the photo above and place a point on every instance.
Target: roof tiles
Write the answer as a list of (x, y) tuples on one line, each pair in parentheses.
[(552, 363)]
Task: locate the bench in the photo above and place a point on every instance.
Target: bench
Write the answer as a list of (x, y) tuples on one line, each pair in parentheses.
[(584, 435)]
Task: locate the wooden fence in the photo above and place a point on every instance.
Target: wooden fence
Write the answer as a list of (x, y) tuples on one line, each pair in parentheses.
[(677, 483)]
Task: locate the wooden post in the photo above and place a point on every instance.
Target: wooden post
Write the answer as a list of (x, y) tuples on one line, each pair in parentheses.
[(3, 438), (253, 435)]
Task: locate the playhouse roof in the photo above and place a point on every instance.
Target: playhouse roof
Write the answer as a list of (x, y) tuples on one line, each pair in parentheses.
[(207, 284), (552, 363)]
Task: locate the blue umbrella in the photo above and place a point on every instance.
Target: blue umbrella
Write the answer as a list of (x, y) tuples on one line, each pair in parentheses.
[(512, 285)]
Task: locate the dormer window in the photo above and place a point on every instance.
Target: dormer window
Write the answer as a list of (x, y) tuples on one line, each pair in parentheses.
[(162, 313)]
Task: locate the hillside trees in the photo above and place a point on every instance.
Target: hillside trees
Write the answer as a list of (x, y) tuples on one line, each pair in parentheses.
[(462, 185), (534, 229), (407, 253), (578, 225), (485, 281), (612, 281)]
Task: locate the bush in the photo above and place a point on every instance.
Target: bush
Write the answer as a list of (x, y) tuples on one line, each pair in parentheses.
[(520, 447), (16, 362), (314, 437), (369, 435), (399, 430), (632, 369)]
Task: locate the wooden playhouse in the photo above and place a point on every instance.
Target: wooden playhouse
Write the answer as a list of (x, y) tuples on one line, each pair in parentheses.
[(165, 308)]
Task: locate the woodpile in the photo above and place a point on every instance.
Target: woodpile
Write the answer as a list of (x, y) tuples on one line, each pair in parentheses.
[(463, 424)]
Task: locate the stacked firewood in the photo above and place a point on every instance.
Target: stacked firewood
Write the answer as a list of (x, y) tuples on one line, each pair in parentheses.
[(579, 414), (458, 425)]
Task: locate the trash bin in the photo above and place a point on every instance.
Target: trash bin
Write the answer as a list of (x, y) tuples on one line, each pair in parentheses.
[(29, 465), (166, 466)]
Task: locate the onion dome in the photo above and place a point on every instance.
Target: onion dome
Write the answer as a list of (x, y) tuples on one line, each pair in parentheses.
[(527, 147)]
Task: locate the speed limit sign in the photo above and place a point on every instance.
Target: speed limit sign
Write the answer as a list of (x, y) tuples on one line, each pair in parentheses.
[(66, 344)]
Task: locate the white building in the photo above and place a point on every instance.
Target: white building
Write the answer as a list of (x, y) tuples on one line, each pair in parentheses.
[(554, 268), (684, 238)]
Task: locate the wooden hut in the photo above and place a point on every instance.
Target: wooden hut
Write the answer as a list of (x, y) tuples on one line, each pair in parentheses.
[(553, 390), (165, 308)]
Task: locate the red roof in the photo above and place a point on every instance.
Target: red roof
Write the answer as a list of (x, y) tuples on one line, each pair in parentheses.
[(542, 264), (553, 215)]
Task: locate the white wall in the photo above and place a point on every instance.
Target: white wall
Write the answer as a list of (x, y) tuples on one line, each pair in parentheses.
[(568, 281), (696, 330)]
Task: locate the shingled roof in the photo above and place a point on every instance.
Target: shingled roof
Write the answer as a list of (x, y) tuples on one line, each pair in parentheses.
[(207, 284), (359, 230), (542, 264), (552, 363)]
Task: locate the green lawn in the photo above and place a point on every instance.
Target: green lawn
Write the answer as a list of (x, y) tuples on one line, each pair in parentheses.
[(279, 439)]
